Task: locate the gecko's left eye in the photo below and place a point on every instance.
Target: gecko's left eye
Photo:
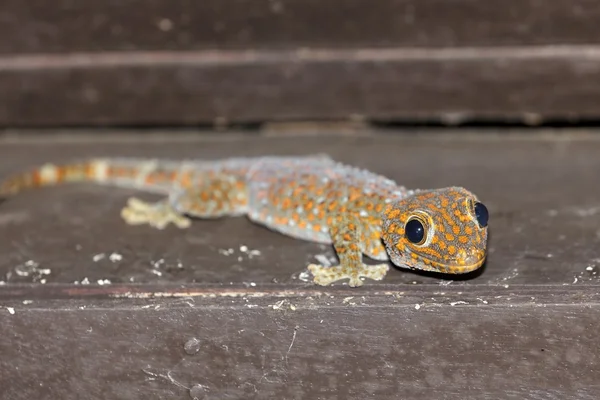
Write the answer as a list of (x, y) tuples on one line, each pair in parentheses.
[(482, 215), (415, 231)]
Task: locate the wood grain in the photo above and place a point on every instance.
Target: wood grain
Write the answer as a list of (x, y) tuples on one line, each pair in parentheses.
[(66, 26), (171, 88)]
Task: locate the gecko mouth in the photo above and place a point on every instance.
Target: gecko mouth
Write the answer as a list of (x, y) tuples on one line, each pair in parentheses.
[(461, 266)]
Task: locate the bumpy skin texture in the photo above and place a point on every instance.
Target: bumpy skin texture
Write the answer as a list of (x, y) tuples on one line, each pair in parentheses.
[(311, 198)]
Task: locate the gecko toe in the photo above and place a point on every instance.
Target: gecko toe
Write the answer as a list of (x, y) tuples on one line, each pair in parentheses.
[(157, 215), (325, 276)]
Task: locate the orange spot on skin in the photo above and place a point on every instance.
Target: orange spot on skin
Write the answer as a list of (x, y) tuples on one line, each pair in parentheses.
[(61, 174), (456, 229), (451, 250), (186, 180), (393, 213), (89, 170), (432, 207), (463, 239), (36, 178), (449, 237)]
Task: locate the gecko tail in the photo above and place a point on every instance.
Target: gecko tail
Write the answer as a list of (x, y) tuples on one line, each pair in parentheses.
[(93, 170)]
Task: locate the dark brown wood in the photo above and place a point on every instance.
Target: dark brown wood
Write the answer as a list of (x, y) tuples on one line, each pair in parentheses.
[(177, 88), (37, 26), (182, 308), (542, 194), (481, 343)]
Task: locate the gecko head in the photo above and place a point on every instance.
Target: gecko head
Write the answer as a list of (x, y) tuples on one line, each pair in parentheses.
[(442, 230)]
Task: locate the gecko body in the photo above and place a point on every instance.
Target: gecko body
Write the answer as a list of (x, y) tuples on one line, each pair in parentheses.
[(311, 198)]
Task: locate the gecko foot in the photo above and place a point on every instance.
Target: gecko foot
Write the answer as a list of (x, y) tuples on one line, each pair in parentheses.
[(326, 275), (157, 215)]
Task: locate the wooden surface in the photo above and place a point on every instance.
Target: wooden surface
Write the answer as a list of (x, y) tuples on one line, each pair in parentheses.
[(36, 26), (175, 88), (219, 61), (523, 327)]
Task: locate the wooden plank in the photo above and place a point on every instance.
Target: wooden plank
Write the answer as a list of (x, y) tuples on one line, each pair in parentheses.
[(246, 86), (487, 343), (542, 194), (177, 314), (37, 26)]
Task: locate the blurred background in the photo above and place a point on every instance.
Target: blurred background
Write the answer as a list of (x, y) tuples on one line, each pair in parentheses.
[(226, 62)]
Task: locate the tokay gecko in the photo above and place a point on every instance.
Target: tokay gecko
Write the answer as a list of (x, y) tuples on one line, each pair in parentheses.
[(310, 197)]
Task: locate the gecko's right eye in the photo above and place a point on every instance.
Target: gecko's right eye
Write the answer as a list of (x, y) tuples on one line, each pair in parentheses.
[(482, 214), (415, 231)]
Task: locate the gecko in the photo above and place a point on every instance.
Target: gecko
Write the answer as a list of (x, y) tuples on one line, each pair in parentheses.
[(311, 197)]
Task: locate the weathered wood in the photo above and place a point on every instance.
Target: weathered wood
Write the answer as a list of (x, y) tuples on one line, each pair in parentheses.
[(190, 88), (524, 327), (542, 194), (412, 343), (37, 26)]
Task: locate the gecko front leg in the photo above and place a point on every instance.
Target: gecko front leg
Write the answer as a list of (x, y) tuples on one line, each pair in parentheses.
[(349, 243)]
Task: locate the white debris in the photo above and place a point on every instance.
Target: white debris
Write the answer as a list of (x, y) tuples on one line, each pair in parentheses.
[(226, 252), (26, 268), (304, 276), (114, 257)]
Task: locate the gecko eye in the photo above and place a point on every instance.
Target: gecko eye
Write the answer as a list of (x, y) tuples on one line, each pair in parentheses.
[(482, 215), (415, 231)]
